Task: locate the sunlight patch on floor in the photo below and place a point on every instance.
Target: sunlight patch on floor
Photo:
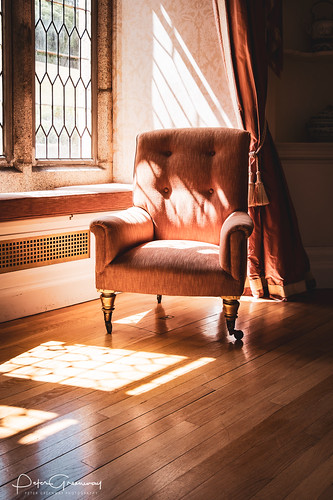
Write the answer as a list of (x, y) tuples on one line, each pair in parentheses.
[(87, 366), (99, 368), (178, 372), (48, 430), (133, 319), (14, 419)]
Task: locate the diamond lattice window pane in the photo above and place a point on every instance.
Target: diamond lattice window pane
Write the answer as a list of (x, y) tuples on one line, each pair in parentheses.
[(64, 144), (46, 104), (63, 79), (69, 106), (86, 143), (40, 143), (74, 48), (88, 111), (45, 12), (52, 52), (52, 144), (58, 15), (75, 144), (40, 44), (37, 115), (63, 54), (69, 14)]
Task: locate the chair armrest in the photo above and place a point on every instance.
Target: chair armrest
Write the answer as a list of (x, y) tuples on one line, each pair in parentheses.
[(117, 233), (233, 249)]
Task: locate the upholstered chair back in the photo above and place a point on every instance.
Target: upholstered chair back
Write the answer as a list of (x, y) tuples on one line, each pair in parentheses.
[(190, 180)]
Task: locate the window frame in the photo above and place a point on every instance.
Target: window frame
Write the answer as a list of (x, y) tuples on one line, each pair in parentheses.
[(6, 158), (19, 93), (94, 132)]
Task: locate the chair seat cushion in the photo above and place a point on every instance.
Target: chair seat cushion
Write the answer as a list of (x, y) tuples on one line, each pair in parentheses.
[(170, 267)]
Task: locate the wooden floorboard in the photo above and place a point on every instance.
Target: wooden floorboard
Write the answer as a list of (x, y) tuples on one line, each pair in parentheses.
[(169, 406)]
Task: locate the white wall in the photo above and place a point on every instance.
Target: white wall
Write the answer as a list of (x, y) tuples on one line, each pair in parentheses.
[(31, 291), (168, 72)]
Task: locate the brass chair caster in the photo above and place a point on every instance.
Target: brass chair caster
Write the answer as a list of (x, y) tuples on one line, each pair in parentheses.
[(107, 299), (230, 308)]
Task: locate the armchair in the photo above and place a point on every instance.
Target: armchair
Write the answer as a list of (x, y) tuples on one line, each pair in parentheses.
[(186, 232)]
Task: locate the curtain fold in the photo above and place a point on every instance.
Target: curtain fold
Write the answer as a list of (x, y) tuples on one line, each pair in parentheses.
[(277, 262)]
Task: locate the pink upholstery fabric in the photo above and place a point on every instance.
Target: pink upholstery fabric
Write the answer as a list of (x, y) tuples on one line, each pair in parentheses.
[(171, 267), (190, 180), (235, 229), (117, 233), (186, 234)]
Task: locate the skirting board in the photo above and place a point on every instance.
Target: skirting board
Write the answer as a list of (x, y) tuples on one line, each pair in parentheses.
[(49, 288)]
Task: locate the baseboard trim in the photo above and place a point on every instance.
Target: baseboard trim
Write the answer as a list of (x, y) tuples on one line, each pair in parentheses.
[(48, 289)]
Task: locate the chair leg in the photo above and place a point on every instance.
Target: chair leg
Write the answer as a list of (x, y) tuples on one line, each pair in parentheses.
[(107, 299), (159, 299), (230, 308)]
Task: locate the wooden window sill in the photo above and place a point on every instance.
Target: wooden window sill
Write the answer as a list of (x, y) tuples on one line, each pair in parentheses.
[(69, 200)]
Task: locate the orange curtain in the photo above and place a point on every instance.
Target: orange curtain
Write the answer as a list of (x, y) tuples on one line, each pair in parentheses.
[(250, 34)]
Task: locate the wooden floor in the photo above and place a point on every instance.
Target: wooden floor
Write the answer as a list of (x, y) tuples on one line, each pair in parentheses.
[(169, 407)]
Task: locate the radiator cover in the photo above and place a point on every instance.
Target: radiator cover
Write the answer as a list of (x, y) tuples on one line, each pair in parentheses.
[(35, 251)]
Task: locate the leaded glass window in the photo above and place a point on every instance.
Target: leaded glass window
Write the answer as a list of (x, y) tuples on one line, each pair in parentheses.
[(63, 51), (1, 81)]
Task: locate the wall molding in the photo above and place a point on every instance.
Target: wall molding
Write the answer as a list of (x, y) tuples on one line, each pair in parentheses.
[(305, 151)]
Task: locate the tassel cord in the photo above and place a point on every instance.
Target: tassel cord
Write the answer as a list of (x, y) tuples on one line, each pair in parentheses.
[(257, 194)]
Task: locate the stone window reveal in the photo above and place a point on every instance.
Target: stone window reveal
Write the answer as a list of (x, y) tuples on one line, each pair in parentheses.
[(57, 88)]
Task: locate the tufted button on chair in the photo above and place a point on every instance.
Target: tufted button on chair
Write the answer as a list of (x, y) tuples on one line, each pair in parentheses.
[(186, 232)]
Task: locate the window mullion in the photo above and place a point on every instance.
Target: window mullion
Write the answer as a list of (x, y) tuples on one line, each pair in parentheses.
[(22, 15)]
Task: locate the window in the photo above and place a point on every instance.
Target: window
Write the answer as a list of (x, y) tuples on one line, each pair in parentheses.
[(63, 85), (58, 99)]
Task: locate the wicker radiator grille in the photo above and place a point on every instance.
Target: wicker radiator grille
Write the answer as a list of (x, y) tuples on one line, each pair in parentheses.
[(38, 251)]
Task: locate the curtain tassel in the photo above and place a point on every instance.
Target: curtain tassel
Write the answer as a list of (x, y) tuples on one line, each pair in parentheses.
[(257, 192), (257, 196), (260, 196), (251, 200)]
